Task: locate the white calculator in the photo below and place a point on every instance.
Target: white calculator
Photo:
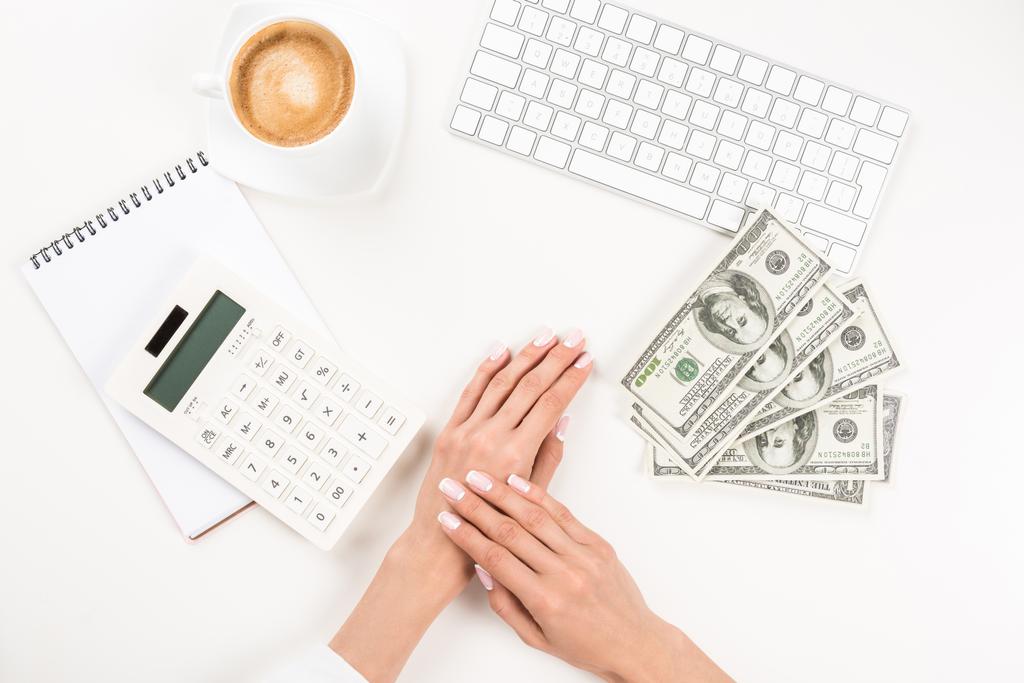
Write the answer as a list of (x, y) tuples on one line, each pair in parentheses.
[(277, 410)]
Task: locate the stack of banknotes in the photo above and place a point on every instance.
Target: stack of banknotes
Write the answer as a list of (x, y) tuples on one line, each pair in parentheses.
[(770, 375)]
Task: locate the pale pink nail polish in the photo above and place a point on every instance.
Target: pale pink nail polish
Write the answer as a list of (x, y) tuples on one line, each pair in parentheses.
[(544, 337), (518, 483), (562, 427), (573, 339), (583, 361), (449, 521), (479, 481), (497, 351), (452, 489), (485, 577)]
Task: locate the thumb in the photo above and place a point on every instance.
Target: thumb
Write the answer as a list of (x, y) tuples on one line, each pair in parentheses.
[(549, 455), (507, 606)]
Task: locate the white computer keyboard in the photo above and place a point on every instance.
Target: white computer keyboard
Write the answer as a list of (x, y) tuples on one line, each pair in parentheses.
[(678, 119), (274, 408)]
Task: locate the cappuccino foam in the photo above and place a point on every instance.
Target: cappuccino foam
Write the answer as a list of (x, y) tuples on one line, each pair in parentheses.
[(292, 83)]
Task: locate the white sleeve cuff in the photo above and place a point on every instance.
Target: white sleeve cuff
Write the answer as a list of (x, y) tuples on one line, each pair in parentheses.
[(320, 664)]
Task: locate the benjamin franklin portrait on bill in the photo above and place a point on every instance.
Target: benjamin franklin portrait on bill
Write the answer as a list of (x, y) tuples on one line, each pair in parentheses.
[(734, 312), (771, 367), (785, 448), (809, 385)]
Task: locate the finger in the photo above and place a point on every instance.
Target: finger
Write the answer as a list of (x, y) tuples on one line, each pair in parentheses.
[(556, 510), (507, 606), (549, 455), (502, 384), (496, 559), (529, 518), (500, 528), (534, 383), (497, 358), (553, 402)]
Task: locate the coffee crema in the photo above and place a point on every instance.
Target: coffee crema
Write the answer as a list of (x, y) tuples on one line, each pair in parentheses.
[(292, 83)]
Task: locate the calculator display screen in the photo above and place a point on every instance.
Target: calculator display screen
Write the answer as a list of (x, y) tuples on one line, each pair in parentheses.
[(194, 351)]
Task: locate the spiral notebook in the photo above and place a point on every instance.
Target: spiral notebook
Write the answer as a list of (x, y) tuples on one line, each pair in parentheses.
[(100, 281)]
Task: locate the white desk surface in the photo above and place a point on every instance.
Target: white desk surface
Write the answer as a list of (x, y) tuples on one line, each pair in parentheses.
[(464, 245)]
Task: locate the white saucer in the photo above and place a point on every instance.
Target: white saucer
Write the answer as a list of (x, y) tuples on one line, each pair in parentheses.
[(357, 155)]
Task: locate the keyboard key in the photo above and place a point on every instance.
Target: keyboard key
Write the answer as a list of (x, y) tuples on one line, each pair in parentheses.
[(816, 241), (677, 167), (503, 41), (726, 215), (833, 224), (700, 82), (316, 475), (263, 401), (725, 60), (533, 21), (291, 459), (784, 175), (704, 115), (322, 516), (752, 70), (649, 157), (760, 135), (757, 165), (641, 29), (505, 11), (842, 256), (229, 450), (534, 83), (465, 120), (843, 165), (760, 196), (780, 80), (585, 10), (369, 404), (870, 179), (875, 146), (644, 62), (756, 103), (892, 121), (493, 130), (621, 84), (537, 54), (560, 31), (225, 411), (261, 362), (589, 104), (864, 110), (815, 155), (305, 395), (705, 177), (616, 51), (613, 19), (356, 469), (298, 500), (589, 41), (299, 352), (362, 437), (672, 72), (784, 113), (521, 140), (836, 100), (391, 421), (840, 196), (562, 93), (556, 5), (287, 418), (207, 436), (593, 136), (672, 134), (728, 92), (510, 105), (334, 452), (732, 187), (732, 125), (566, 126), (840, 133), (621, 146), (812, 123), (495, 69), (593, 74), (339, 491), (551, 151), (253, 467), (269, 442), (326, 410), (538, 115), (808, 90), (789, 207), (697, 49), (729, 155), (639, 184), (669, 39), (279, 338), (275, 483), (565, 64), (788, 145), (242, 387), (282, 377), (645, 124), (477, 94), (247, 425), (649, 94), (676, 104), (700, 145), (812, 185)]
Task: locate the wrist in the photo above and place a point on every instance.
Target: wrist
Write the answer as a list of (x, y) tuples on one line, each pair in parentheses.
[(665, 653), (424, 554)]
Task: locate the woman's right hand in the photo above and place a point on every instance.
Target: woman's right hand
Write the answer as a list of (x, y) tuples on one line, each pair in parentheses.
[(561, 587)]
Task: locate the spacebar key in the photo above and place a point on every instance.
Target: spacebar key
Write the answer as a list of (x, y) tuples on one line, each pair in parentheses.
[(638, 184)]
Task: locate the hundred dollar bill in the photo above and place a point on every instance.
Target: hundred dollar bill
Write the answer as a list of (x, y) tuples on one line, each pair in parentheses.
[(744, 303), (861, 355), (840, 440), (892, 405), (816, 325)]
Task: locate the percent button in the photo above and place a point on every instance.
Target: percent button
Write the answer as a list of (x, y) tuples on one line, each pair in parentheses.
[(324, 370)]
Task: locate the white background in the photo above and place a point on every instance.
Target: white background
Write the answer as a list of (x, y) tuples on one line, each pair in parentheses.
[(465, 245)]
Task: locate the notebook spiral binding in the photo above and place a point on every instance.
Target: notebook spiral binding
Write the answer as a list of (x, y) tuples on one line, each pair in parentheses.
[(114, 213)]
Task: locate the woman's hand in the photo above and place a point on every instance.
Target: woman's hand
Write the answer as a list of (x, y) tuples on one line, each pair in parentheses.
[(560, 586)]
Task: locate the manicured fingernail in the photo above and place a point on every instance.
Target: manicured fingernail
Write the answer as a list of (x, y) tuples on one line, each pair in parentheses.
[(479, 481), (452, 489), (584, 360), (484, 577), (574, 337), (449, 521), (562, 427), (518, 483), (497, 351), (544, 337)]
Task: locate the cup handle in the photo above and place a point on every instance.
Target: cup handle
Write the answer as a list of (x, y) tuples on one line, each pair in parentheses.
[(208, 85)]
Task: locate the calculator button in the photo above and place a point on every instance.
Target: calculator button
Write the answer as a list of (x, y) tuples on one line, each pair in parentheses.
[(299, 353), (292, 459), (287, 418), (324, 370), (275, 484), (261, 362), (391, 421), (356, 468), (225, 411), (358, 434), (207, 436), (243, 386), (252, 467), (279, 338), (305, 395), (339, 491), (326, 410), (317, 474), (369, 404), (346, 387), (298, 499), (263, 401), (310, 435), (282, 377), (269, 442), (321, 516), (334, 452), (229, 450), (247, 425)]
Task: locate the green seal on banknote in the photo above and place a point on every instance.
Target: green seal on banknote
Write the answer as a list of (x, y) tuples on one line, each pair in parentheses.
[(686, 370)]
